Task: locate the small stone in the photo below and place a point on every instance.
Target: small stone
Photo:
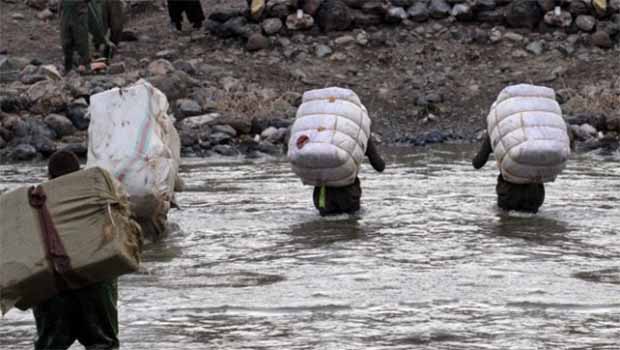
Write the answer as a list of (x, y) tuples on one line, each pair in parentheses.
[(396, 15), (18, 16), (225, 129), (523, 14), (602, 40), (339, 56), (439, 9), (362, 38), (419, 12), (344, 40), (225, 150), (519, 54), (187, 108), (45, 15), (61, 125), (272, 26), (323, 51), (116, 68), (535, 47), (166, 54), (257, 41), (160, 67), (514, 37), (585, 23), (588, 130), (462, 12), (495, 36)]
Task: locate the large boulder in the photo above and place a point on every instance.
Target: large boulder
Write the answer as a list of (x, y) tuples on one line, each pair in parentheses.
[(61, 125), (439, 9), (333, 15), (47, 97), (23, 152), (523, 14), (419, 12)]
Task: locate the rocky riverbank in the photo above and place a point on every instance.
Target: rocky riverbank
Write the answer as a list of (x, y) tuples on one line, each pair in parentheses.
[(423, 82)]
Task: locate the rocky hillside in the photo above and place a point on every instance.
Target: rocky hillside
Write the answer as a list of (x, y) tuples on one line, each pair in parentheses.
[(427, 70)]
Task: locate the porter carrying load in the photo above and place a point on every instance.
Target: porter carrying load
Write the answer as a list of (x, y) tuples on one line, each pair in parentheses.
[(329, 137), (528, 134), (132, 136), (67, 233)]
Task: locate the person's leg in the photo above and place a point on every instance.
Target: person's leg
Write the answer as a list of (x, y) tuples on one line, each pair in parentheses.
[(99, 326), (194, 13), (53, 320), (66, 36), (81, 34), (175, 10)]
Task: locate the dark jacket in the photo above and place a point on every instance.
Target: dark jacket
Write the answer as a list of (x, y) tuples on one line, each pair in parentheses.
[(340, 200), (520, 197)]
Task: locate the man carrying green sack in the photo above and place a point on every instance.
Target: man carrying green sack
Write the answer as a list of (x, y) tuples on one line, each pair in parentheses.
[(88, 315)]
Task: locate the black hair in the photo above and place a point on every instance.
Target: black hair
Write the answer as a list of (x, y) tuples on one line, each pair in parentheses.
[(62, 163)]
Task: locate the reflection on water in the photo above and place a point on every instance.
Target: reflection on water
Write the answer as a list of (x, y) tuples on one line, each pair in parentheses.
[(429, 263)]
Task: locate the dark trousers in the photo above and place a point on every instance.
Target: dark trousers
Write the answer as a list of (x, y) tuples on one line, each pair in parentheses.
[(339, 200), (520, 197), (88, 315), (192, 9), (74, 32)]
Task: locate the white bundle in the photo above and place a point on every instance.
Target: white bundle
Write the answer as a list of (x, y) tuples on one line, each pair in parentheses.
[(528, 134), (329, 137)]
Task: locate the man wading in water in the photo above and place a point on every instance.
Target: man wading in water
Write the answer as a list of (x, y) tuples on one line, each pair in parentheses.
[(340, 200), (89, 314)]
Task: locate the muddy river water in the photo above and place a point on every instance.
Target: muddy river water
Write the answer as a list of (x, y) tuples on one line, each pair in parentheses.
[(429, 263)]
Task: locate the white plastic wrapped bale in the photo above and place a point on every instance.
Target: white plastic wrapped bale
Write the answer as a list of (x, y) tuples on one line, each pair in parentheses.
[(329, 137), (132, 136), (528, 134)]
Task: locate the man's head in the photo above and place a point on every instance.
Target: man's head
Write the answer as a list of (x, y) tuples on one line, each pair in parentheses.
[(62, 163)]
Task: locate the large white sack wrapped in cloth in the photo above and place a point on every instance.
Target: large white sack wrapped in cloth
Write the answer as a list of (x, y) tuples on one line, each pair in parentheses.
[(528, 134), (64, 234), (132, 136), (329, 137)]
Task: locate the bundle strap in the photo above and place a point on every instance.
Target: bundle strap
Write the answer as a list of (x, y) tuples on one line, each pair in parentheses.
[(54, 248)]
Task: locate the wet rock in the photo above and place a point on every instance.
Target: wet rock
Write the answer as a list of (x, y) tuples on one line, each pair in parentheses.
[(47, 97), (199, 121), (295, 23), (186, 108), (43, 145), (588, 129), (160, 67), (333, 15), (225, 129), (272, 26), (523, 14), (462, 12), (439, 9), (77, 114), (61, 125), (23, 152), (30, 127), (225, 150), (602, 40), (395, 15), (257, 41), (268, 148), (79, 149), (218, 138), (12, 103)]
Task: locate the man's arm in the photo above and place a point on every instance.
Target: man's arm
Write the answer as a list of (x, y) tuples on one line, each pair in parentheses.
[(483, 154), (373, 155)]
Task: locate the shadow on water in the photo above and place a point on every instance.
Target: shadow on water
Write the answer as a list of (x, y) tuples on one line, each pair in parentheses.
[(325, 231)]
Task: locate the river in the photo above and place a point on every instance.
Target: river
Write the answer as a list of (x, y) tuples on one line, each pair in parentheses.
[(429, 262)]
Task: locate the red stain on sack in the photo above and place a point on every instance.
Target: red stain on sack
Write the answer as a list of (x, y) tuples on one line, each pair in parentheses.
[(302, 140)]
